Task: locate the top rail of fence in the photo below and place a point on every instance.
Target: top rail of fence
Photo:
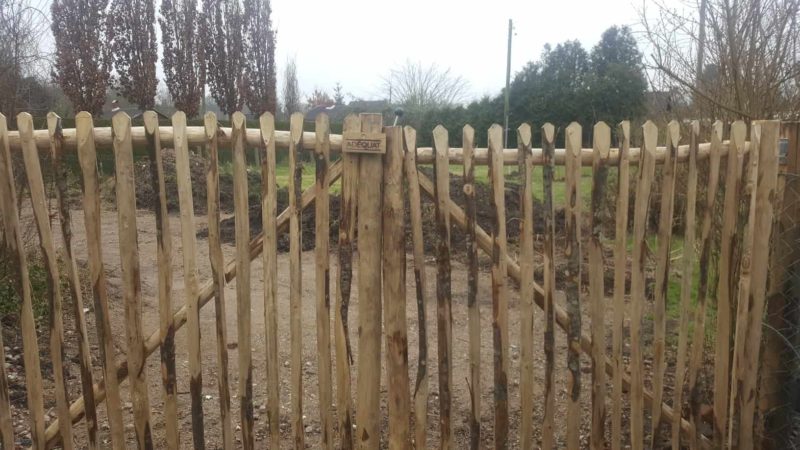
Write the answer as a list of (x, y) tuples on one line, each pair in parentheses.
[(196, 135)]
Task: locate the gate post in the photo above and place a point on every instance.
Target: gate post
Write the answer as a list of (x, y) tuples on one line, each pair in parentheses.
[(370, 143)]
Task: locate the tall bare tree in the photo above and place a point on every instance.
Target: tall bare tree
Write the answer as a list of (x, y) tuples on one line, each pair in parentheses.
[(133, 46), (319, 97), (291, 89), (259, 68), (83, 55), (737, 59), (184, 53), (22, 27), (225, 53), (419, 87)]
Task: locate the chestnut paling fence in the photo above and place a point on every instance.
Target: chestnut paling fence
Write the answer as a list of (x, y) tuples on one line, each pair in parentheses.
[(374, 191)]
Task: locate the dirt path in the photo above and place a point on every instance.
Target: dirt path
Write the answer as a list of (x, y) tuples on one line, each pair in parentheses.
[(147, 253)]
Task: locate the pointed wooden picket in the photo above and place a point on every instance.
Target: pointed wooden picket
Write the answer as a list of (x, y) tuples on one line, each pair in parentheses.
[(87, 157), (131, 277), (164, 262), (601, 149), (500, 330), (189, 253), (548, 151), (322, 272), (620, 276), (641, 208), (725, 283), (473, 307), (420, 279), (65, 220), (526, 267), (217, 263), (443, 290), (295, 278), (394, 293), (662, 272), (269, 206), (573, 281), (765, 136), (347, 224), (687, 275), (698, 342)]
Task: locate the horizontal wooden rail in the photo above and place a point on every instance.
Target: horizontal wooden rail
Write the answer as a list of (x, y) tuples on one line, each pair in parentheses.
[(196, 136), (206, 293)]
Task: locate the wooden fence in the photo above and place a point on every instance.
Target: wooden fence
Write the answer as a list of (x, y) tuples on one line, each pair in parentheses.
[(629, 398)]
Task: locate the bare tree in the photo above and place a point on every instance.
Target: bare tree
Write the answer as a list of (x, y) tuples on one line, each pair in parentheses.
[(291, 90), (184, 56), (259, 69), (733, 59), (319, 98), (133, 46), (225, 52), (419, 87), (22, 26), (83, 57)]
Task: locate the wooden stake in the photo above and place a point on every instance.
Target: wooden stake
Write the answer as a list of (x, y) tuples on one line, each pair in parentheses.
[(662, 273), (87, 158), (218, 276), (642, 204), (415, 212), (765, 136), (749, 198), (295, 279), (321, 253), (686, 283), (473, 309), (725, 282), (620, 275), (189, 253), (369, 291), (164, 261), (602, 147), (548, 147), (243, 302), (84, 355), (13, 241), (33, 174), (698, 344), (131, 277), (269, 206), (499, 290), (526, 286), (573, 281), (344, 355), (394, 279), (444, 315)]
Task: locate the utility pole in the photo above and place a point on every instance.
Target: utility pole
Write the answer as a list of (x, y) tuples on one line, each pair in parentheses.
[(508, 82)]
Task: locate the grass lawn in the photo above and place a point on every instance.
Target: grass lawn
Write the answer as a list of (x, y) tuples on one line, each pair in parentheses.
[(674, 283)]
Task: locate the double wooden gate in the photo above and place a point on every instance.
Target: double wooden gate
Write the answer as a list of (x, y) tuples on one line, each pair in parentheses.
[(528, 407)]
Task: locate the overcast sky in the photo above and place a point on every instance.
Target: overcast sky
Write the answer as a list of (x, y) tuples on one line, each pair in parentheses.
[(355, 42)]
